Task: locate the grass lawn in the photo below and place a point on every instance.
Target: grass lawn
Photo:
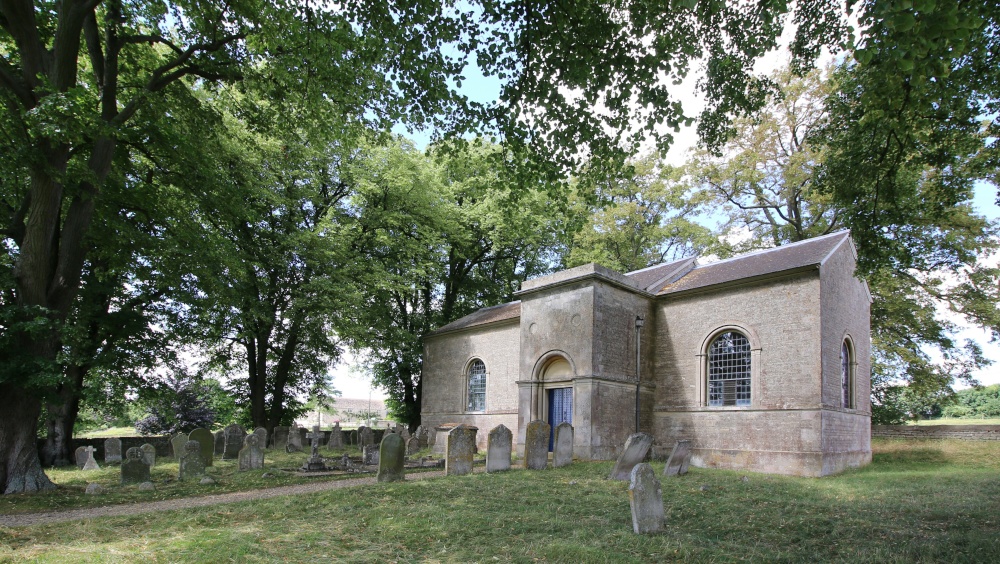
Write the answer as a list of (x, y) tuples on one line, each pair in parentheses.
[(954, 421), (920, 501)]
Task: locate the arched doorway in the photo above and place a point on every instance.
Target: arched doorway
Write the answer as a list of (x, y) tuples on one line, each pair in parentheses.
[(556, 378)]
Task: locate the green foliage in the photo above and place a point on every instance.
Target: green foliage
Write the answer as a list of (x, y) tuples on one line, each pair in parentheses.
[(975, 403)]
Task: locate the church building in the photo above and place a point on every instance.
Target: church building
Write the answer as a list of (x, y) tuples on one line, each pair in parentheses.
[(761, 360)]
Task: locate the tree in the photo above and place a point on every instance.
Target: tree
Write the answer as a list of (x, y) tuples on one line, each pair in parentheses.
[(179, 404)]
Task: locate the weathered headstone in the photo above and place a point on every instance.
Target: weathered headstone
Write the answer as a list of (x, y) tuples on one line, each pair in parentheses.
[(233, 436), (336, 438), (80, 457), (315, 462), (498, 448), (412, 446), (370, 455), (390, 459), (90, 463), (94, 489), (405, 434), (562, 452), (177, 445), (205, 438), (294, 439), (112, 450), (461, 447), (192, 465), (134, 469), (646, 499), (421, 435), (261, 437), (280, 440), (352, 437), (148, 454), (440, 442), (536, 445), (220, 443), (366, 437), (251, 456), (636, 447), (680, 459)]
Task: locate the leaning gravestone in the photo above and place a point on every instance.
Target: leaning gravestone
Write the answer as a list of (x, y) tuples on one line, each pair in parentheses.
[(177, 445), (646, 499), (370, 455), (405, 434), (251, 456), (536, 445), (461, 446), (680, 458), (294, 439), (280, 440), (366, 437), (636, 447), (192, 465), (148, 454), (206, 440), (498, 447), (90, 463), (220, 443), (261, 437), (233, 436), (112, 450), (134, 469), (80, 457), (390, 459), (562, 453), (412, 446), (336, 438)]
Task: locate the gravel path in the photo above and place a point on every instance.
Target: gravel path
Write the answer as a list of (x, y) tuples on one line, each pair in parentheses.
[(26, 519)]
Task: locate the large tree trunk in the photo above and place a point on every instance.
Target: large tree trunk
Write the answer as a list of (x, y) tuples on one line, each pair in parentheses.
[(20, 470), (61, 418)]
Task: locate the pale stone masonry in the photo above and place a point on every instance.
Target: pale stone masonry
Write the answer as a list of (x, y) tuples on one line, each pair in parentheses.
[(743, 357)]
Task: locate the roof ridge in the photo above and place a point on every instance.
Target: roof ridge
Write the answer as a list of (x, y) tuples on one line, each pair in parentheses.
[(659, 265), (844, 232)]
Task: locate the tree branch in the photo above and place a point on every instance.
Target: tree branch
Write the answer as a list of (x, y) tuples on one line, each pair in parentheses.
[(11, 81)]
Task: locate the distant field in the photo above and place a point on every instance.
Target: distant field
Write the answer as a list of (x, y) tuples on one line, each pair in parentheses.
[(952, 421), (112, 432), (919, 501)]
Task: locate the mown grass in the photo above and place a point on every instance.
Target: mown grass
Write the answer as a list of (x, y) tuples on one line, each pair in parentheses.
[(956, 421), (920, 501)]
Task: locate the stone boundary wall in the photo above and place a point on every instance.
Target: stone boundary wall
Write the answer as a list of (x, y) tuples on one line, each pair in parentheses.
[(962, 432), (160, 443)]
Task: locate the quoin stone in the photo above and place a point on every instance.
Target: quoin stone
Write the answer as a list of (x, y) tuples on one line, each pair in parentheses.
[(112, 450), (90, 463), (680, 458), (148, 454), (261, 437), (336, 437), (636, 448), (204, 438), (177, 445), (562, 453), (233, 436), (536, 445), (499, 444), (134, 469), (646, 499), (461, 448), (251, 456), (192, 466), (391, 457)]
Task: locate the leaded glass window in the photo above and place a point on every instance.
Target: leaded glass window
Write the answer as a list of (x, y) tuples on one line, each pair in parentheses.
[(477, 386), (845, 375), (729, 370)]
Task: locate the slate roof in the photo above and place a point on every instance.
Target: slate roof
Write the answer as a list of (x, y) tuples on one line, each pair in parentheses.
[(486, 315), (658, 273), (810, 252)]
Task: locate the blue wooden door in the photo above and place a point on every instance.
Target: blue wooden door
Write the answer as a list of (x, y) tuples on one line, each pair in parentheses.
[(560, 409)]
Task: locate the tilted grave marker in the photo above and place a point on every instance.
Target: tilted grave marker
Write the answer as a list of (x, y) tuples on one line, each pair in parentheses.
[(636, 448), (680, 459)]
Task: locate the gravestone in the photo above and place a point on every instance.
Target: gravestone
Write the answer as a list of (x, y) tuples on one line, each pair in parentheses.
[(177, 445), (461, 447), (370, 453), (422, 436), (134, 469), (405, 434), (336, 438), (112, 450), (148, 454), (680, 459), (233, 436), (536, 445), (220, 443), (498, 448), (90, 463), (315, 461), (294, 439), (440, 444), (192, 466), (412, 446), (261, 437), (366, 437), (80, 457), (352, 437), (390, 459), (251, 456), (636, 447), (646, 499), (562, 452), (206, 440), (280, 440)]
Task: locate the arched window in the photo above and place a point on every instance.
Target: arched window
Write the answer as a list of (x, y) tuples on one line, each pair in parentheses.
[(846, 375), (729, 370), (477, 386)]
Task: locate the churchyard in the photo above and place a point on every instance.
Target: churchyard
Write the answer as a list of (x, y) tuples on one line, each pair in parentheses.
[(919, 501)]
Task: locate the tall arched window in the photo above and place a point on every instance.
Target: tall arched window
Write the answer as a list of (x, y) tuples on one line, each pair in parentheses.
[(729, 370), (477, 386), (846, 375)]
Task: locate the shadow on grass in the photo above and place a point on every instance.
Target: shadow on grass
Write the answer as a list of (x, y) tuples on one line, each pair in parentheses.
[(923, 456)]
